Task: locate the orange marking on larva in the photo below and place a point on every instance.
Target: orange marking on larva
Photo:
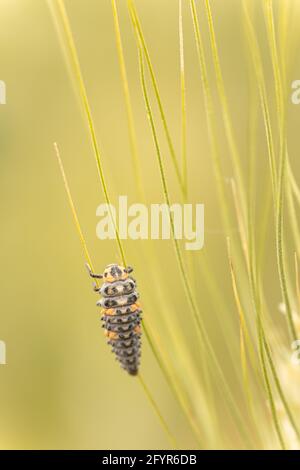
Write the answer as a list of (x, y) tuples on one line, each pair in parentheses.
[(109, 279), (134, 307), (111, 334), (138, 330), (108, 311)]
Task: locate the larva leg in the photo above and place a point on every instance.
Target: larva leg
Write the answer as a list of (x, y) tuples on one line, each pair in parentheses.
[(95, 287), (93, 275), (129, 269)]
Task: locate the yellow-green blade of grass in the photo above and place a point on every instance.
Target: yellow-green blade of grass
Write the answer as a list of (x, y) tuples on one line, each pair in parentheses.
[(85, 102), (237, 167), (131, 126), (204, 341), (183, 101), (87, 256), (268, 12), (139, 32)]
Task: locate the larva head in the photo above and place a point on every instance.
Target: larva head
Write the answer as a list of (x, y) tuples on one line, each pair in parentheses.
[(115, 272)]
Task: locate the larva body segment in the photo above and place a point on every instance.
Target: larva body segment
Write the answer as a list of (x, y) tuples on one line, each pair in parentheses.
[(121, 315)]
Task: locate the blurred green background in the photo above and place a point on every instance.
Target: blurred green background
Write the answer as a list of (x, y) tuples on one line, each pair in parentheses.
[(61, 387)]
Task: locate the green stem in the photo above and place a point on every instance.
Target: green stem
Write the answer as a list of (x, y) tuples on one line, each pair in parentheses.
[(162, 421), (204, 340), (183, 101), (83, 94), (88, 113), (225, 109), (138, 29), (131, 126)]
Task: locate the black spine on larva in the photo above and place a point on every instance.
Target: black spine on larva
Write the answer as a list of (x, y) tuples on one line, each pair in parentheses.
[(121, 320)]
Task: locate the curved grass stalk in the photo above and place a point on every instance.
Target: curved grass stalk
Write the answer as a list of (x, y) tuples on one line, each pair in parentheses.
[(265, 215), (280, 391), (255, 289), (260, 329), (176, 389), (85, 102), (138, 29), (204, 340), (294, 185), (242, 227), (280, 250), (73, 210), (171, 382), (293, 217), (190, 370), (219, 304), (252, 144), (258, 69), (83, 93), (253, 273), (293, 190), (209, 111), (278, 186), (225, 109), (164, 369), (263, 344), (89, 261), (243, 324), (194, 384), (285, 11), (268, 10), (131, 126), (297, 283), (210, 114), (256, 300), (284, 16), (244, 340), (132, 131), (183, 102), (244, 335), (268, 387), (189, 256), (164, 184), (161, 419)]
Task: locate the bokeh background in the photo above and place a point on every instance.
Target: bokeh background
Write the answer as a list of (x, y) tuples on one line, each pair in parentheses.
[(61, 387)]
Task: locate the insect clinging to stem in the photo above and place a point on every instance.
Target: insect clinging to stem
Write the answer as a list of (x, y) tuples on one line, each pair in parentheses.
[(121, 314)]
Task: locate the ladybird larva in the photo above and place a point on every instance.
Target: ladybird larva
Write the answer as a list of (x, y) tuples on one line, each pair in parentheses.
[(121, 314)]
